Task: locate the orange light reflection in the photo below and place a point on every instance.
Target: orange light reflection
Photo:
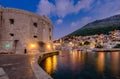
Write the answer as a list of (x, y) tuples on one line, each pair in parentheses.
[(51, 64), (115, 62), (48, 65), (100, 62)]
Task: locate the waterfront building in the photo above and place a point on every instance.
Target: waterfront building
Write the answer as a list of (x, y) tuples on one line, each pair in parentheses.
[(22, 31)]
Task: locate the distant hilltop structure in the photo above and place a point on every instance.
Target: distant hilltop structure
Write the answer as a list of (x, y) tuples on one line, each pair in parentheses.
[(23, 32)]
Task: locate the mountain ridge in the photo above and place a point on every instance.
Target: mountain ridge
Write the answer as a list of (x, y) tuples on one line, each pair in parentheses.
[(102, 26)]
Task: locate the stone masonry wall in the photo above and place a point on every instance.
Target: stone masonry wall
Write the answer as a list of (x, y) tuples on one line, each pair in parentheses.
[(19, 28)]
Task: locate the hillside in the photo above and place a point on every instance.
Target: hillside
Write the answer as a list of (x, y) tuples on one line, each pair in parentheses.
[(102, 26)]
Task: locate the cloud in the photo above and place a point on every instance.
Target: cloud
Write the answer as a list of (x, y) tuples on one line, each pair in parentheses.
[(59, 21), (74, 24), (100, 11), (88, 11), (109, 8), (61, 8), (83, 4), (82, 22), (64, 7), (45, 8)]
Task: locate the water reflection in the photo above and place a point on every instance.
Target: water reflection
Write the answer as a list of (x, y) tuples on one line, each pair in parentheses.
[(100, 61), (115, 62), (83, 65), (50, 64), (74, 58), (54, 62)]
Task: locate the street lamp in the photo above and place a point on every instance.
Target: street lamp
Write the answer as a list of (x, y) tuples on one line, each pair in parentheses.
[(48, 46), (33, 46)]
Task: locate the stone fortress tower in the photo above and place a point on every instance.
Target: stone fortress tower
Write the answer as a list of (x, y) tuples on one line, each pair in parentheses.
[(22, 31)]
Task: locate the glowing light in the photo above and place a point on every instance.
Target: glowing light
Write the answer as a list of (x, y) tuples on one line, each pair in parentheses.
[(48, 46), (7, 45), (92, 45), (54, 46), (33, 45), (70, 43)]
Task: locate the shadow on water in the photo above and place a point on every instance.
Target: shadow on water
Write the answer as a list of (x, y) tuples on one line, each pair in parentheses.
[(83, 65)]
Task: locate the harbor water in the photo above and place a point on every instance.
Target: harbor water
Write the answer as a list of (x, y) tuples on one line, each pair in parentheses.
[(83, 65)]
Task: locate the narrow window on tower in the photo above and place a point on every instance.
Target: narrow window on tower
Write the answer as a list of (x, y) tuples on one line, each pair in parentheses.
[(1, 18), (35, 24), (35, 36), (49, 29), (50, 37), (11, 34), (11, 21)]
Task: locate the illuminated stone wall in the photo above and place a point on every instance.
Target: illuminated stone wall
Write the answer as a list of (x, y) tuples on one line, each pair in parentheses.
[(19, 29)]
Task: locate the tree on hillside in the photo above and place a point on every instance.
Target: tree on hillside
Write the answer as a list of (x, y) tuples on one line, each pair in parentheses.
[(86, 43)]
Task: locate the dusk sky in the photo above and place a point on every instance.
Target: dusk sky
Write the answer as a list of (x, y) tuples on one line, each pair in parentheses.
[(67, 15)]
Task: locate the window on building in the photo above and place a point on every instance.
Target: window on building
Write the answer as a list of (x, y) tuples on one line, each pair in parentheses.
[(1, 18), (11, 21), (35, 24), (35, 36), (50, 37), (49, 29), (11, 34)]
